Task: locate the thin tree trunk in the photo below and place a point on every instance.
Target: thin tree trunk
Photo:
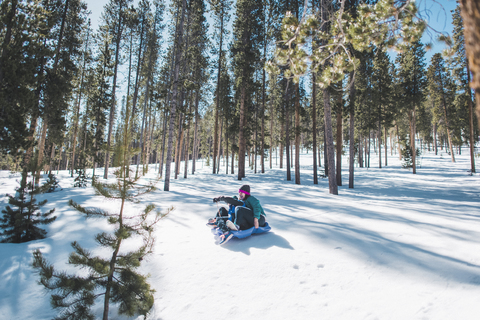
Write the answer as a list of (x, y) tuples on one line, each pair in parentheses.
[(411, 116), (114, 86), (297, 133), (314, 128), (241, 139), (351, 167), (179, 144), (449, 135), (332, 181), (79, 98), (339, 141), (470, 113), (195, 134), (174, 101), (219, 145), (386, 140), (379, 136)]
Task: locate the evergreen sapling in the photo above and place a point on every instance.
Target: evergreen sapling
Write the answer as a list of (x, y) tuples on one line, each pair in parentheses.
[(21, 217), (111, 276)]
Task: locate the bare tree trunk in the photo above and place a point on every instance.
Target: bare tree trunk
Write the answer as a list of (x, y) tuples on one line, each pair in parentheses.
[(114, 86), (179, 144), (314, 127), (174, 101), (241, 138), (187, 142), (287, 134), (77, 113), (386, 140), (332, 181), (217, 106), (282, 130), (297, 133), (449, 135), (195, 133), (411, 118), (351, 166), (379, 136), (470, 113), (339, 141)]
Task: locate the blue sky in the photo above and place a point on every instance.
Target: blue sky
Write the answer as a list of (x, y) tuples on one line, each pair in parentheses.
[(436, 12)]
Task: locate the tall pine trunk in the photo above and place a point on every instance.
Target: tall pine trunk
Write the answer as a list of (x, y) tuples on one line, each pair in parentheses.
[(114, 86), (339, 141), (297, 133), (241, 138), (217, 106), (314, 128), (41, 144), (351, 164), (470, 114), (173, 103), (332, 181)]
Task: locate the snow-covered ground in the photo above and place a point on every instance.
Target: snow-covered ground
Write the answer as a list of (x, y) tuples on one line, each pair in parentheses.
[(397, 246)]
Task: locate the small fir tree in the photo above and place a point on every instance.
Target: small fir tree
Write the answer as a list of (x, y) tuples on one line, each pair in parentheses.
[(81, 179), (113, 276), (52, 183), (407, 159), (22, 216)]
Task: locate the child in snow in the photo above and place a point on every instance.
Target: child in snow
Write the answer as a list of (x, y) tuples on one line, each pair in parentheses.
[(248, 210)]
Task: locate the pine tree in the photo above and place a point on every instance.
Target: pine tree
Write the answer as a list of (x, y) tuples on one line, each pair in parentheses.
[(52, 183), (461, 70), (382, 85), (247, 34), (21, 217), (112, 277), (115, 17), (440, 85), (412, 83)]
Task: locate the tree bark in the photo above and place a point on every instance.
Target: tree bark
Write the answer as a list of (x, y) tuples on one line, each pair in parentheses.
[(217, 106), (470, 11), (332, 181), (339, 140), (470, 113), (314, 128), (114, 86), (351, 166), (411, 118), (241, 138), (173, 103), (297, 133)]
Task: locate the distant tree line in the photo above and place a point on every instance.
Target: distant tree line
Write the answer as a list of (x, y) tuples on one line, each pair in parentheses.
[(199, 91)]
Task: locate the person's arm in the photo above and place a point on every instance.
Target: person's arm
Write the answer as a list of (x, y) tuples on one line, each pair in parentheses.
[(255, 223), (228, 200)]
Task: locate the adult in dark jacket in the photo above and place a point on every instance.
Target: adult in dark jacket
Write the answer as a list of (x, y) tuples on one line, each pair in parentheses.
[(248, 210)]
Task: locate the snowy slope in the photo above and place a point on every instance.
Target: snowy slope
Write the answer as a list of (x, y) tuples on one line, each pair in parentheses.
[(397, 246)]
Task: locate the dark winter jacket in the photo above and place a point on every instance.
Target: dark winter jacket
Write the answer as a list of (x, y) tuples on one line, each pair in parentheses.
[(250, 202)]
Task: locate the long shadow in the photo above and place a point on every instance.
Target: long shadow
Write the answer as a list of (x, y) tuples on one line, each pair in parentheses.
[(383, 251)]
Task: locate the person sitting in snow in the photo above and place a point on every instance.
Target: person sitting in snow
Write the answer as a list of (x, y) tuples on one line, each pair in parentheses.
[(248, 211)]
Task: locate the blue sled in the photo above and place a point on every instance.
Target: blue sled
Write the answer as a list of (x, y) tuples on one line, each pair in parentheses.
[(246, 233)]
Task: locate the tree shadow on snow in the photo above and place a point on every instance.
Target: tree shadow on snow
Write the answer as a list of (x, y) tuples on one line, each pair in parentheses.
[(372, 246)]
